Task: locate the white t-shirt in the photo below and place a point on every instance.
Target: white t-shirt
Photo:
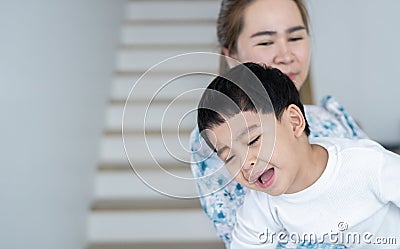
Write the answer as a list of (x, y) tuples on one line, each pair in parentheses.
[(355, 203)]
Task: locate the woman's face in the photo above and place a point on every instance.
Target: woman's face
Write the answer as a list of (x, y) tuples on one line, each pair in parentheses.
[(274, 34)]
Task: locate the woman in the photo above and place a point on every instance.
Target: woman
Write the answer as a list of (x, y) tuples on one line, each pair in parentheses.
[(275, 33)]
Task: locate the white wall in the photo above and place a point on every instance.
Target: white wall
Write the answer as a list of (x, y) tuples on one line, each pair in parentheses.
[(356, 58), (56, 62)]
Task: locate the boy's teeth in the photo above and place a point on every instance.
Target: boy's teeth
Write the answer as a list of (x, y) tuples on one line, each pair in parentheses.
[(266, 176)]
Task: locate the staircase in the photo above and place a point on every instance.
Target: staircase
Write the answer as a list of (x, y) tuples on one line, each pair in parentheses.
[(128, 210)]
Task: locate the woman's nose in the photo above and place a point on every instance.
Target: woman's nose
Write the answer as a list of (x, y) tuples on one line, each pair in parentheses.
[(283, 54)]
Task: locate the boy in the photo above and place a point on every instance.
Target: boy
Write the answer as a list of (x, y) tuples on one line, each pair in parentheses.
[(330, 193)]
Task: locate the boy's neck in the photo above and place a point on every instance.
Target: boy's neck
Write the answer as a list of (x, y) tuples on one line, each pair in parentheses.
[(317, 162), (313, 164)]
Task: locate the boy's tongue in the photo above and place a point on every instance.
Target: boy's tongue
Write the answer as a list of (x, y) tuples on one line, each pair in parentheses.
[(266, 176)]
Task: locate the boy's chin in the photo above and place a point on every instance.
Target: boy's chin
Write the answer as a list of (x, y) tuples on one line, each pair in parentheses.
[(271, 190)]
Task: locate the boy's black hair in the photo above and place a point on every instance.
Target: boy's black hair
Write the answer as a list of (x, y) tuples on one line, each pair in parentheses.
[(247, 87)]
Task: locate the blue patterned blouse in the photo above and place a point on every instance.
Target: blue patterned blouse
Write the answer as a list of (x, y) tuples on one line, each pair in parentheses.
[(220, 196)]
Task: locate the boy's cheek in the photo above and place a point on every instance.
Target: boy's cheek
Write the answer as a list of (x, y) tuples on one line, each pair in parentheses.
[(242, 180), (233, 171), (236, 173)]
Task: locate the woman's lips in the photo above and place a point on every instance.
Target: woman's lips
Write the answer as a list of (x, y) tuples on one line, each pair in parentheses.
[(291, 75)]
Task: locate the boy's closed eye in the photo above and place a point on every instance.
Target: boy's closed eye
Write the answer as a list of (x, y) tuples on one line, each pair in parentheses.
[(252, 142), (229, 159), (225, 155)]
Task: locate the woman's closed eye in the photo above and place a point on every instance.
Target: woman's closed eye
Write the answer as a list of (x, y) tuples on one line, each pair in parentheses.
[(294, 39), (252, 142), (266, 43), (291, 39)]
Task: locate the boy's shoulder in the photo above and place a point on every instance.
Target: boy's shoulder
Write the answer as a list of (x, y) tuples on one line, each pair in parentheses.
[(341, 145), (353, 154)]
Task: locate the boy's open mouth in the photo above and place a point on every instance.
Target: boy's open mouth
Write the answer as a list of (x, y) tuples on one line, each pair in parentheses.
[(266, 179)]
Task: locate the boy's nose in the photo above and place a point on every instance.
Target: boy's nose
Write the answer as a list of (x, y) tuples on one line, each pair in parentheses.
[(249, 165), (248, 168)]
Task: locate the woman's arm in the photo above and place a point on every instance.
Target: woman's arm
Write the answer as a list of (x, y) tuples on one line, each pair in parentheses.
[(219, 195), (330, 119), (351, 128)]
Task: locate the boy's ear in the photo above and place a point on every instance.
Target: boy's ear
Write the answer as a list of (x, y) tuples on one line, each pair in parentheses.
[(297, 120)]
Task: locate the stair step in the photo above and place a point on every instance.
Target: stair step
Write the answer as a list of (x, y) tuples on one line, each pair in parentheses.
[(160, 87), (138, 203), (125, 190), (124, 165), (167, 117), (172, 10), (155, 184), (162, 245), (144, 204), (170, 34), (141, 227), (149, 151), (182, 60)]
